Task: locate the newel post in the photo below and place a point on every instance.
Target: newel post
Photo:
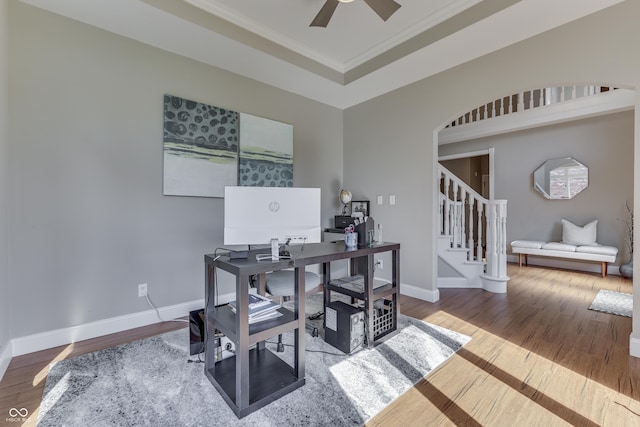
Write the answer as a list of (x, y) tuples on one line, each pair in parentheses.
[(495, 279)]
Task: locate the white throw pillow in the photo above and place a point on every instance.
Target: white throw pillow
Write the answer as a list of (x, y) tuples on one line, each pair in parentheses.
[(575, 235)]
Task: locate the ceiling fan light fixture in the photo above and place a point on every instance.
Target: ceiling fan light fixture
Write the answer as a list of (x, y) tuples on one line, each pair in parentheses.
[(384, 9)]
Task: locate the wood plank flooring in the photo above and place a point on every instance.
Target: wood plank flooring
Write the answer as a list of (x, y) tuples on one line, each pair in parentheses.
[(537, 357)]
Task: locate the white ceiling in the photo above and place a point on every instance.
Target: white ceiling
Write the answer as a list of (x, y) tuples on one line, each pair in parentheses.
[(354, 34), (356, 58)]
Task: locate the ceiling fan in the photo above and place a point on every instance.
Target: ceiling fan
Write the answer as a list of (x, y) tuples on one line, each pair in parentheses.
[(384, 9)]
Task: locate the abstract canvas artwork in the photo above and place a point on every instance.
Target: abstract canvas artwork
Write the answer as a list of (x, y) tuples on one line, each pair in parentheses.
[(200, 148), (266, 152), (207, 148)]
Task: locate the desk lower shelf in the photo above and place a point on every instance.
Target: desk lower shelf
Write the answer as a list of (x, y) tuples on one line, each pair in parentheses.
[(223, 319), (269, 379)]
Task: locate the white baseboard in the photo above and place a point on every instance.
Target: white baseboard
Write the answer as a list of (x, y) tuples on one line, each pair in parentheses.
[(55, 338), (5, 358), (429, 295), (634, 346), (454, 282)]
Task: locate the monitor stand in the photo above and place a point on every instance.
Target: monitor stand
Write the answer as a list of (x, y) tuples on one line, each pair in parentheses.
[(275, 250)]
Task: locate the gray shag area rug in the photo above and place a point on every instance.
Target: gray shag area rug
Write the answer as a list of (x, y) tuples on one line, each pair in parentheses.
[(613, 302), (150, 383)]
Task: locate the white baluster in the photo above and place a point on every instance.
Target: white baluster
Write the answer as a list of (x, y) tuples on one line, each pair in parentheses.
[(574, 92), (521, 101), (447, 205), (470, 244), (502, 242), (502, 107), (440, 210), (491, 239), (562, 95), (481, 207), (463, 218), (541, 100), (455, 214), (493, 109)]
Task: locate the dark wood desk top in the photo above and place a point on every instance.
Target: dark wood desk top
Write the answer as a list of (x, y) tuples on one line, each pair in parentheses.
[(301, 255)]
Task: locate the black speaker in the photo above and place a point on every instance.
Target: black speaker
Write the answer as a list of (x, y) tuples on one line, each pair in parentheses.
[(196, 332), (344, 326)]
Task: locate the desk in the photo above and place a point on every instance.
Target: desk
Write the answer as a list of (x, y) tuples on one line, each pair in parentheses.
[(256, 377)]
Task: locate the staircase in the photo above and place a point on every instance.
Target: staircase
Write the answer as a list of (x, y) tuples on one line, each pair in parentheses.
[(472, 237)]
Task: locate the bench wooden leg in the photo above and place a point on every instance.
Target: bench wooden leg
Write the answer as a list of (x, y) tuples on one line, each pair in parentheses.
[(604, 269), (521, 257)]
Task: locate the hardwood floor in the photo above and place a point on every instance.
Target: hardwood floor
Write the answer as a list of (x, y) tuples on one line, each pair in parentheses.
[(537, 357)]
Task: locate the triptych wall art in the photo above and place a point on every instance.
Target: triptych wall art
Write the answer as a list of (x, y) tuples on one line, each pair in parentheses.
[(207, 148)]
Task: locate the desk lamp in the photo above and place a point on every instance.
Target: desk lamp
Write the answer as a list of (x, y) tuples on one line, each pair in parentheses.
[(345, 198)]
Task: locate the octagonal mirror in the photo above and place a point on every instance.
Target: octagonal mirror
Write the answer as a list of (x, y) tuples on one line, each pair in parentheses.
[(561, 178)]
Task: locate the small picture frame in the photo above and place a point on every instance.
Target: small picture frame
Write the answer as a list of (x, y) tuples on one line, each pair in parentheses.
[(360, 207)]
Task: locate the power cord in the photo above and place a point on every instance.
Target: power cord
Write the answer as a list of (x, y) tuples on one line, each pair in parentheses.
[(196, 361), (158, 312), (358, 348)]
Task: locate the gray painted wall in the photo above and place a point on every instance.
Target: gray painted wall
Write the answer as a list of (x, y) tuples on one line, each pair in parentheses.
[(389, 141), (5, 295), (88, 218), (88, 221), (604, 144)]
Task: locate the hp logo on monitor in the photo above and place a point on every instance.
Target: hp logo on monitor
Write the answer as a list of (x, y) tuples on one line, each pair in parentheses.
[(274, 206)]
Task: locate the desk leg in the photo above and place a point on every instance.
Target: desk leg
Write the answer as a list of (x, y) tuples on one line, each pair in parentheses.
[(210, 305), (395, 274), (242, 346), (326, 293), (368, 300), (299, 337)]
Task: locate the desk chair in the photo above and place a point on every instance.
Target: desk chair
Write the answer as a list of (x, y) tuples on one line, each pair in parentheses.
[(282, 284)]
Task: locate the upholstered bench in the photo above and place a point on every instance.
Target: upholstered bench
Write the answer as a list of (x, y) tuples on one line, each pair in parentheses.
[(578, 243), (604, 254)]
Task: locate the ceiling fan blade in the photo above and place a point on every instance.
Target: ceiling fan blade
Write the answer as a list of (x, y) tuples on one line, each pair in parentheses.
[(325, 14), (384, 8)]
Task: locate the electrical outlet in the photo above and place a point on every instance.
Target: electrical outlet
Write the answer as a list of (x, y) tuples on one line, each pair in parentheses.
[(379, 264), (142, 290)]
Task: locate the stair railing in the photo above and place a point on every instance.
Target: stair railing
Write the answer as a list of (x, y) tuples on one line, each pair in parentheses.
[(473, 222), (528, 100)]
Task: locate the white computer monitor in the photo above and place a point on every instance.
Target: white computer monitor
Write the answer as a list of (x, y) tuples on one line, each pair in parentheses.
[(258, 215)]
